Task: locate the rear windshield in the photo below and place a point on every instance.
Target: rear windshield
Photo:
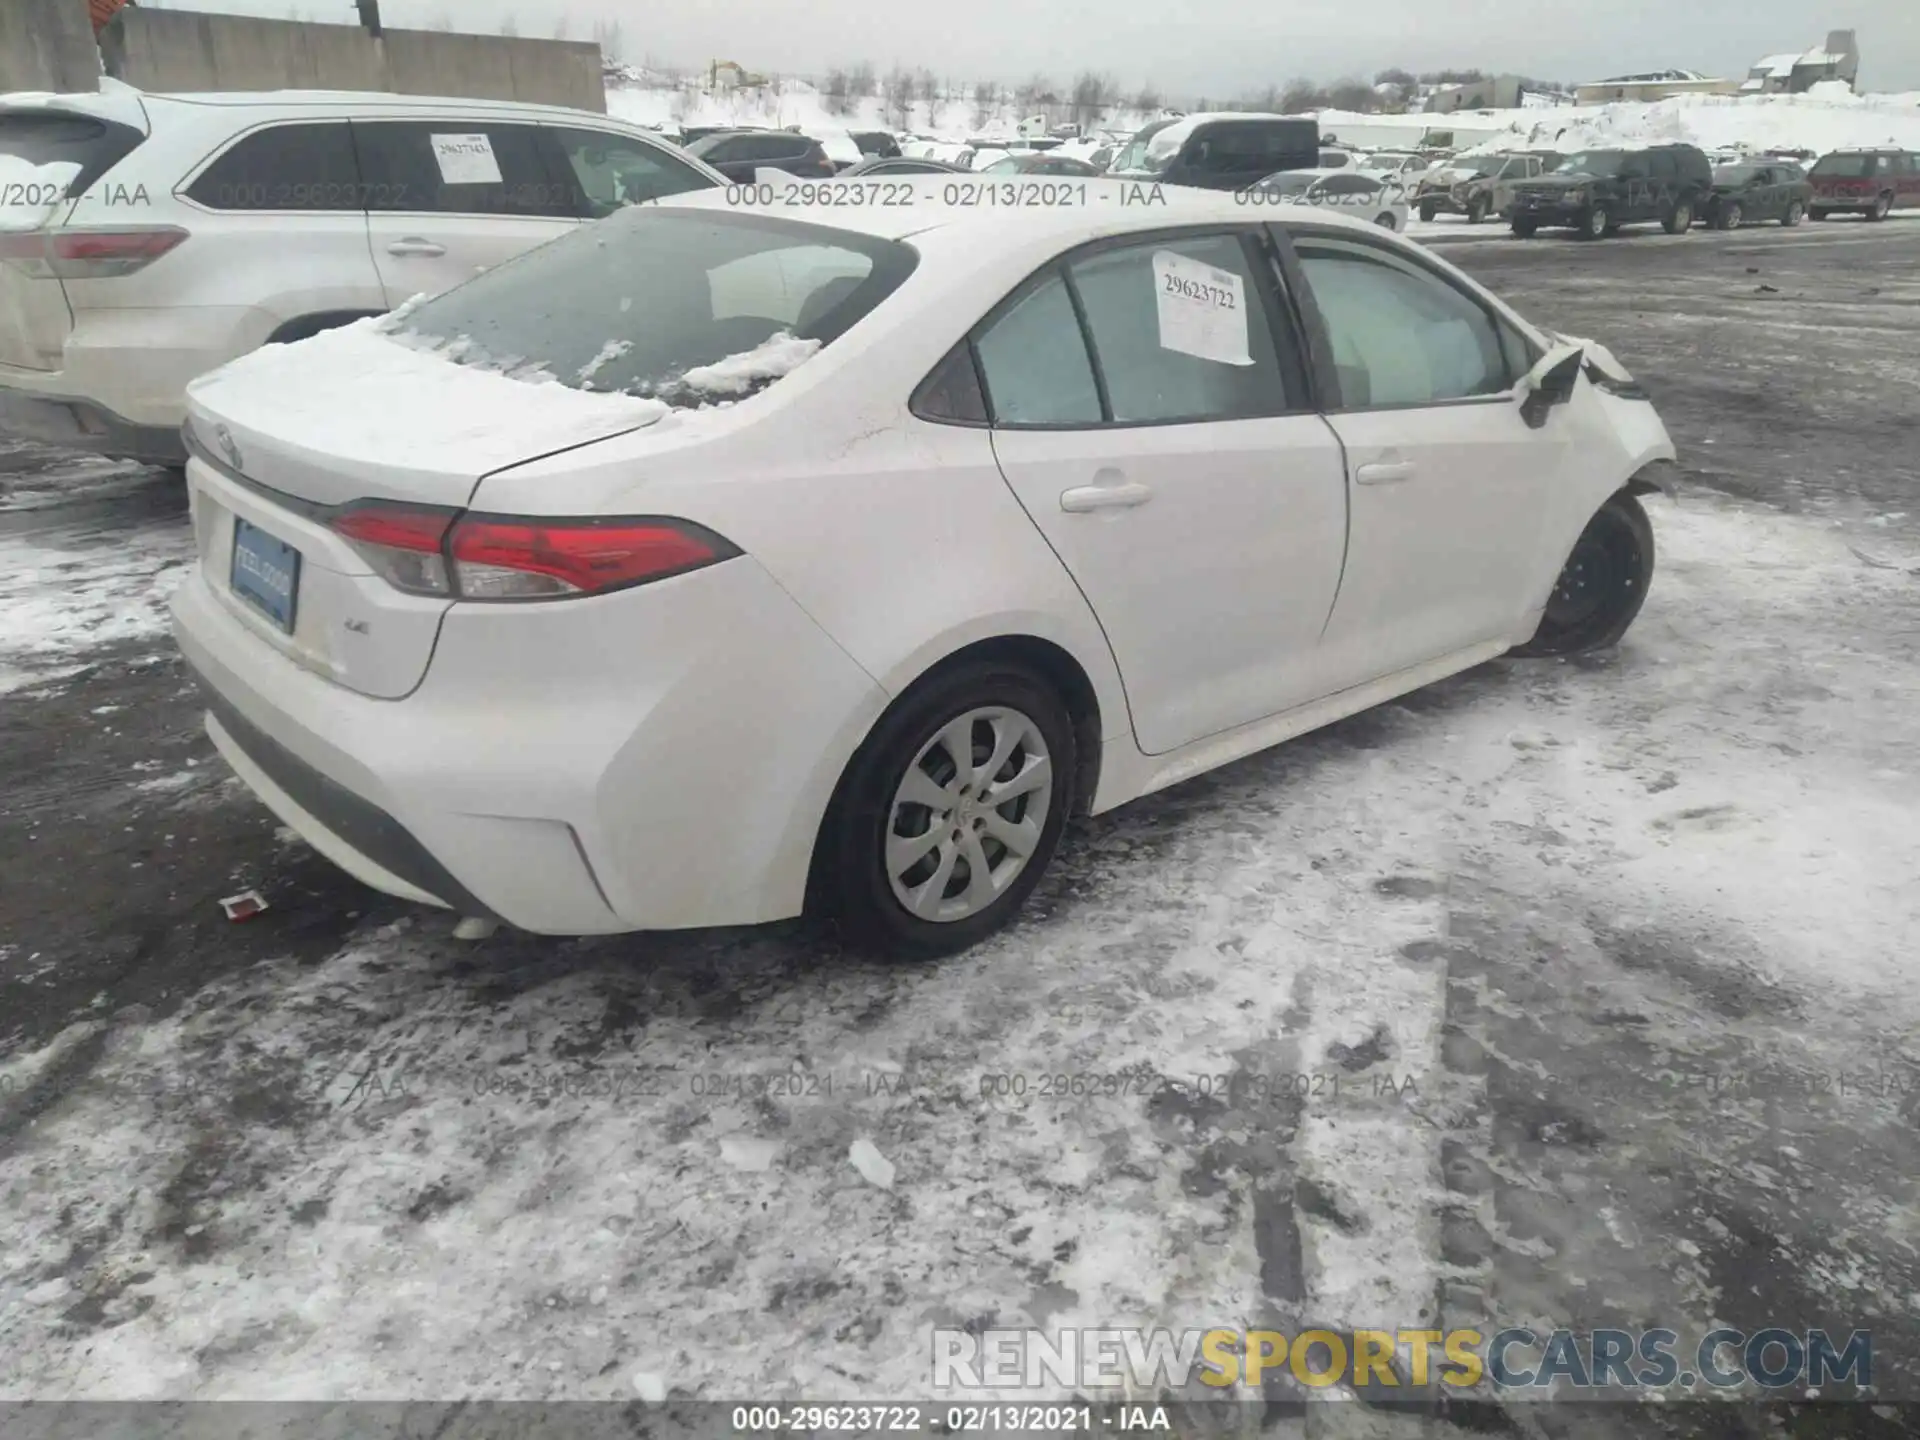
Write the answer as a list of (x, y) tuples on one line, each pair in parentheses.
[(1735, 174), (687, 307), (1856, 166), (94, 146)]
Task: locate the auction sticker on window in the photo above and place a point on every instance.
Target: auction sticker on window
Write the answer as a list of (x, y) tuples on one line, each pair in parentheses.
[(466, 160), (1203, 311)]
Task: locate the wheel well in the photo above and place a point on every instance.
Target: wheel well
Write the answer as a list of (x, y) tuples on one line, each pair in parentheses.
[(303, 326), (1052, 664), (1657, 477)]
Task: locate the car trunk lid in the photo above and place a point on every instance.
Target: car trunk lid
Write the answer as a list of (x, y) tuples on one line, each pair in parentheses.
[(52, 147), (288, 437)]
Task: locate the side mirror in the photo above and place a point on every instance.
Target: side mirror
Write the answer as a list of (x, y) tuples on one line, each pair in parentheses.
[(1550, 383)]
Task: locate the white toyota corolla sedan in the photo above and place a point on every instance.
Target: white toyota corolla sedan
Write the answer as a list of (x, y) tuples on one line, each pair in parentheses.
[(718, 563)]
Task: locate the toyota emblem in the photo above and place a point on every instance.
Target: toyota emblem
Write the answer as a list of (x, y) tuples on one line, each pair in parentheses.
[(229, 447)]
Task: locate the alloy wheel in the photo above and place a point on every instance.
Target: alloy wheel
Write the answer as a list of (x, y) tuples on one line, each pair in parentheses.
[(968, 814)]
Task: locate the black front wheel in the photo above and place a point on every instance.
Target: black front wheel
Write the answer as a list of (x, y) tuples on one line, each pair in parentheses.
[(1795, 213), (1427, 212), (1477, 209), (1601, 587), (1525, 229), (950, 813), (1596, 224), (1729, 217)]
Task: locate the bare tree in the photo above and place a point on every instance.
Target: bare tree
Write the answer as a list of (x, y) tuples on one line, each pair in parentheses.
[(987, 99), (612, 41), (1092, 95), (1301, 95), (933, 92), (1353, 94), (836, 95), (1035, 95), (861, 82), (1147, 100), (897, 97)]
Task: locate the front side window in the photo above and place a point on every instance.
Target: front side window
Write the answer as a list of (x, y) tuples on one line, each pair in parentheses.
[(460, 167), (1033, 361), (1180, 331), (284, 167), (1597, 164), (684, 306), (1400, 335), (615, 170)]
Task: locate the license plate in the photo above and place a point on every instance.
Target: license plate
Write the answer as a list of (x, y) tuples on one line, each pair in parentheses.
[(266, 573)]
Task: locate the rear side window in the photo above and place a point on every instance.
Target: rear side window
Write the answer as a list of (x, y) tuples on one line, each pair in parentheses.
[(1661, 166), (461, 167), (1846, 167), (615, 170), (1033, 360), (92, 146), (685, 306), (1180, 331), (284, 167)]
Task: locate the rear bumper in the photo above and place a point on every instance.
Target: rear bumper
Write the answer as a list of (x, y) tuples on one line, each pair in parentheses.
[(654, 759), (78, 424)]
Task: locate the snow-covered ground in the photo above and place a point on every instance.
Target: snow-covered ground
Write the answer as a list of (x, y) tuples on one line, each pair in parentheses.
[(544, 1170), (1826, 119)]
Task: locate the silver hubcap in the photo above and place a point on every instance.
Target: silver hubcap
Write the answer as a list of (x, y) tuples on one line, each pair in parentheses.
[(1598, 222), (968, 814)]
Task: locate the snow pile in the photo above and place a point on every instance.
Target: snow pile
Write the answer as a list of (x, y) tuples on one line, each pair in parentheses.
[(59, 599), (774, 357), (1833, 119)]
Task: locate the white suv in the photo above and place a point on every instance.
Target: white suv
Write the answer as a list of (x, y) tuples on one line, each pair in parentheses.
[(146, 239)]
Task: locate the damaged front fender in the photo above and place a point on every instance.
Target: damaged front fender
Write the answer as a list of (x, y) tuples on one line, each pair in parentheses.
[(1660, 476)]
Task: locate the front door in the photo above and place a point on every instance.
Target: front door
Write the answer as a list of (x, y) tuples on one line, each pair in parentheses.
[(1450, 490), (1177, 470), (448, 198)]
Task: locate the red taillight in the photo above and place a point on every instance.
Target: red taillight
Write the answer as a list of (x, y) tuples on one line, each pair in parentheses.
[(424, 551), (88, 254), (405, 544), (503, 557)]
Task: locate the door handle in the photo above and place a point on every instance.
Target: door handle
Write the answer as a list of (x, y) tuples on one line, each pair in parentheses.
[(1384, 473), (1083, 498), (414, 245)]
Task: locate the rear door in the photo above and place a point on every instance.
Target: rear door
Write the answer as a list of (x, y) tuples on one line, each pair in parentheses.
[(448, 198), (47, 155), (1169, 453), (1450, 491), (1658, 194), (1906, 180), (281, 187)]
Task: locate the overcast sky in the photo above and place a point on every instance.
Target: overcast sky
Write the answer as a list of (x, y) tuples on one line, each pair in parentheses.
[(1215, 50)]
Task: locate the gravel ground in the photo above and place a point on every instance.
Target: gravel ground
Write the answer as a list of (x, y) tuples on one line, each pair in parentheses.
[(1594, 972)]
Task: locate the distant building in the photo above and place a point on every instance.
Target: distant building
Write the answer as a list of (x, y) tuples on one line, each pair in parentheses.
[(1502, 92), (1790, 74), (1653, 85)]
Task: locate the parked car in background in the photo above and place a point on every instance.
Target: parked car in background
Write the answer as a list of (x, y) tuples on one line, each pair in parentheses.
[(1595, 192), (1870, 183), (840, 146), (1337, 157), (1218, 151), (1363, 197), (147, 238), (1479, 187), (1403, 165), (691, 133), (877, 144), (543, 655), (1041, 164), (881, 167), (740, 154), (1772, 190)]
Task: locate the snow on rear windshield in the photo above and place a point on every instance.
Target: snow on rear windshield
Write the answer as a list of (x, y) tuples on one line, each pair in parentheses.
[(680, 306)]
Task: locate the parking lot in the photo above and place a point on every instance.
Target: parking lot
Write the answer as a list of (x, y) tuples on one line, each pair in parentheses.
[(1564, 993)]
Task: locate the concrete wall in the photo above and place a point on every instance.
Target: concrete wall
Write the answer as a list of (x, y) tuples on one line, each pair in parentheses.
[(190, 50), (47, 45)]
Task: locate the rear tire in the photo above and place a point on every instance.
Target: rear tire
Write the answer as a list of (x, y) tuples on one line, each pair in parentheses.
[(1882, 208), (1386, 221), (1814, 212), (1602, 585), (1678, 220), (905, 786), (1525, 229), (1796, 212), (1427, 212)]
